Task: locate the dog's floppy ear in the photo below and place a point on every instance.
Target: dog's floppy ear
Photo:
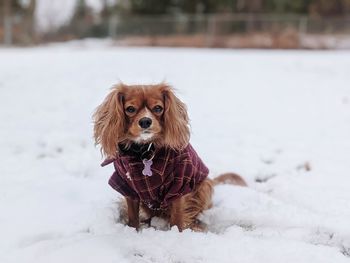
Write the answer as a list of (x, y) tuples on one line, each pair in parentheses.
[(176, 122), (109, 122)]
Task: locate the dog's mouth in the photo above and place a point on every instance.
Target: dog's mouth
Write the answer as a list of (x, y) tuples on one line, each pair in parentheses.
[(144, 136)]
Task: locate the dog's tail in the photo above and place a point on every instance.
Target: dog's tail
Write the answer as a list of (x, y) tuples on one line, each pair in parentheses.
[(229, 178)]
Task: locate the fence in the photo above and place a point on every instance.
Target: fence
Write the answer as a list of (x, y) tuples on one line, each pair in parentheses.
[(230, 31), (215, 30), (17, 30), (225, 24)]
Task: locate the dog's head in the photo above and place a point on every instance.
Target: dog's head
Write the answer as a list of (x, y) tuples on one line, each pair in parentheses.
[(141, 114)]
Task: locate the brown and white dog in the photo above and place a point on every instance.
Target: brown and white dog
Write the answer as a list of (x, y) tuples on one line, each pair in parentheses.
[(144, 131)]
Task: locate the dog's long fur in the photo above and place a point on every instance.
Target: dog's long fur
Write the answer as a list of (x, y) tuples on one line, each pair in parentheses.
[(110, 120), (113, 124)]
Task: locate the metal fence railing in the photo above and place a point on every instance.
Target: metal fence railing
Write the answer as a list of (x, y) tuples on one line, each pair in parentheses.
[(17, 30), (225, 24), (213, 30), (230, 31)]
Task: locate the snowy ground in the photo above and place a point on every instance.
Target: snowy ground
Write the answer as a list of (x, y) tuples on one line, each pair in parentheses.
[(267, 115)]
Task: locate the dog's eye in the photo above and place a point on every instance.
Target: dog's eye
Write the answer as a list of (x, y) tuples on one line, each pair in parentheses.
[(157, 109), (130, 109)]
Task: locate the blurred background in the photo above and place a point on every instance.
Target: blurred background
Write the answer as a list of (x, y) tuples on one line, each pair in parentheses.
[(281, 24)]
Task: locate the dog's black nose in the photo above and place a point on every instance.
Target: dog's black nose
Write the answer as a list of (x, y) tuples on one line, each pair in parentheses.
[(145, 122)]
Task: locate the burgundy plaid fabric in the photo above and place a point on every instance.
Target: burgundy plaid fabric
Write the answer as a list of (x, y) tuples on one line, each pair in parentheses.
[(174, 173)]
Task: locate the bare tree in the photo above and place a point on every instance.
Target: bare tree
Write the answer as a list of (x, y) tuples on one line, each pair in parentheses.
[(7, 22), (29, 22)]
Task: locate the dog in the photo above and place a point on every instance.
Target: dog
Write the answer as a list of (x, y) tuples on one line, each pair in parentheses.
[(144, 131)]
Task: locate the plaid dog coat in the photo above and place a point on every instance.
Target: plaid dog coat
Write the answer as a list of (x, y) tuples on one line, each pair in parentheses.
[(174, 174)]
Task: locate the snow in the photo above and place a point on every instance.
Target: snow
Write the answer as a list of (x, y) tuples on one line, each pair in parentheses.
[(267, 115)]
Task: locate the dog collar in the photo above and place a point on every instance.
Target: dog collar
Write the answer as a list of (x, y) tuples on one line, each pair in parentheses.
[(142, 151)]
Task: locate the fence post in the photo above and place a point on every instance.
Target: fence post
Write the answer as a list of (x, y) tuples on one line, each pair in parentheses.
[(112, 26), (7, 23), (303, 25), (211, 30)]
